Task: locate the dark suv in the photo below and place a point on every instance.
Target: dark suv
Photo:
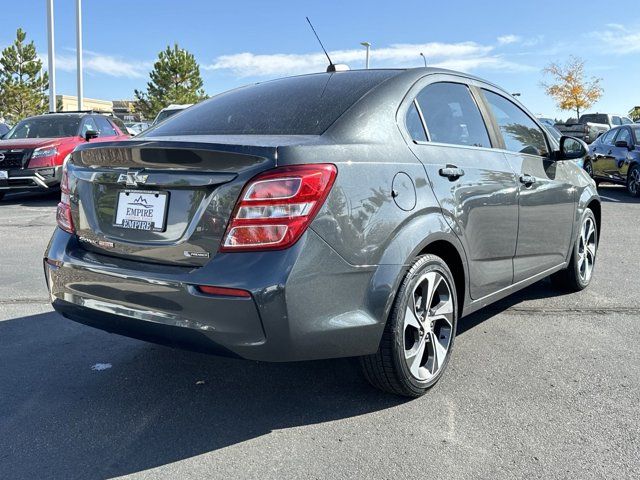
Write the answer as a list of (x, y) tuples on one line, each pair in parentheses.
[(615, 157), (357, 213)]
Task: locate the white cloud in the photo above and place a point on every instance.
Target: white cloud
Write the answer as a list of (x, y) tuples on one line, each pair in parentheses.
[(97, 63), (462, 56), (618, 40), (508, 39)]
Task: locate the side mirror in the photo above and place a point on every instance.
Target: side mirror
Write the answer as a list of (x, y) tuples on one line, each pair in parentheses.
[(90, 135), (624, 144), (571, 148)]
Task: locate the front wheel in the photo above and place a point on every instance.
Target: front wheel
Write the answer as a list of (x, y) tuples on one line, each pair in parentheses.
[(577, 275), (418, 337), (588, 167), (633, 181)]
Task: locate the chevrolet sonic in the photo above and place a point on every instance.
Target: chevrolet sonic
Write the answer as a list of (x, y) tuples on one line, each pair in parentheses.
[(356, 213)]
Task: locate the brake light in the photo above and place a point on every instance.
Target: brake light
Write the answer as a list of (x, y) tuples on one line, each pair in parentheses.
[(63, 213), (276, 207)]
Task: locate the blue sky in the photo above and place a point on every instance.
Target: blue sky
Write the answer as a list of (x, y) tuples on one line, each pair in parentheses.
[(239, 42)]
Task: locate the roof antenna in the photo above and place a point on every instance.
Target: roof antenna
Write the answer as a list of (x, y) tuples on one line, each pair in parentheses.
[(332, 67)]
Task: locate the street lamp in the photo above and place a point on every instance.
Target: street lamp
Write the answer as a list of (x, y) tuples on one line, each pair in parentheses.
[(51, 58), (79, 52), (424, 58), (367, 45)]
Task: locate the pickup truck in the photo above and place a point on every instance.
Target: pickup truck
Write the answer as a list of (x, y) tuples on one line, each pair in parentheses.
[(591, 125)]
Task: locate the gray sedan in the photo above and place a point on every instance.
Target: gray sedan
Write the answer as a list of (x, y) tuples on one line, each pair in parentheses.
[(356, 213)]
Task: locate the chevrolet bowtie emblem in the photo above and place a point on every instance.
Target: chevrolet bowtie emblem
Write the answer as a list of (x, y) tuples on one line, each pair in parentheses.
[(132, 179)]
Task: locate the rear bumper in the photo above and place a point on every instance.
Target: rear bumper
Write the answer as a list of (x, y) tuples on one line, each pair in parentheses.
[(32, 179), (306, 302)]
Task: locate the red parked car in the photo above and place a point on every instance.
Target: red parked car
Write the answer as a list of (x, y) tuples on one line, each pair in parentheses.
[(32, 152)]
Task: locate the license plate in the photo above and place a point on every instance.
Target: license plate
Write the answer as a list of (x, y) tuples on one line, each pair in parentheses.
[(142, 210), (4, 174)]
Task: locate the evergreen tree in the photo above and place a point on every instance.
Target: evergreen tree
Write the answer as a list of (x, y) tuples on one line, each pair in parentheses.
[(21, 85), (175, 78)]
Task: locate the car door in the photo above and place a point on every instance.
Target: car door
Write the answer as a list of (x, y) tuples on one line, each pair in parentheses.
[(546, 195), (621, 155), (474, 184), (602, 149)]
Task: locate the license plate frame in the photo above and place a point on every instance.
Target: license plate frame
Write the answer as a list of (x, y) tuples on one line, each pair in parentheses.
[(135, 221)]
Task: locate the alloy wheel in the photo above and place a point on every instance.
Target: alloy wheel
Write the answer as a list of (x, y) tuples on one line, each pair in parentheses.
[(428, 326), (633, 183), (586, 249)]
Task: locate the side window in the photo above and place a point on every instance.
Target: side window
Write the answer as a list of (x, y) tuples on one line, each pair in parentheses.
[(607, 138), (624, 136), (87, 125), (414, 124), (105, 129), (626, 121), (520, 133), (615, 120), (452, 115)]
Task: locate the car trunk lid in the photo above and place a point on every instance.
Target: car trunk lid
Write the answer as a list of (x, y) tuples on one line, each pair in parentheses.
[(190, 188)]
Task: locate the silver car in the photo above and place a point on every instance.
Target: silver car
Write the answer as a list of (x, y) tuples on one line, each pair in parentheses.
[(357, 213)]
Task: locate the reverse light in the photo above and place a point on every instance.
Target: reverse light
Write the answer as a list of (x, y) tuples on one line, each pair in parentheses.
[(63, 213), (277, 206)]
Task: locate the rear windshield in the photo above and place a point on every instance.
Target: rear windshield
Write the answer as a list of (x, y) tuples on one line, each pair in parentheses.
[(305, 105), (594, 118), (47, 126)]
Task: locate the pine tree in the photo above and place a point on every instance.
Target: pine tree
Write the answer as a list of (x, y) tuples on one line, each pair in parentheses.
[(175, 78), (22, 85)]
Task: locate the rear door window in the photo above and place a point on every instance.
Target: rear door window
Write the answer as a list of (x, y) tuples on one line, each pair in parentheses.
[(521, 134), (452, 116), (607, 138)]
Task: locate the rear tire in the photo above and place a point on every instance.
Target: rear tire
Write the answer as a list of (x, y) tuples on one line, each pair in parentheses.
[(633, 181), (578, 274), (418, 338)]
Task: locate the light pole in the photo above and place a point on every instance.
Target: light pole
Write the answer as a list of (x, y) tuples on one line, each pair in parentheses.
[(79, 50), (424, 58), (367, 45), (51, 59)]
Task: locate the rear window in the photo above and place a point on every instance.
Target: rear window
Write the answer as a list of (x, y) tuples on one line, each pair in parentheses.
[(304, 105), (594, 118)]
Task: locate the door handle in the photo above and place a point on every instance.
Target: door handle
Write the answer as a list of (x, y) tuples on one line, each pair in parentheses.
[(451, 172), (528, 180)]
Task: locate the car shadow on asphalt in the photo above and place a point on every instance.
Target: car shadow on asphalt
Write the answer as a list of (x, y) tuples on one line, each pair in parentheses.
[(32, 199), (615, 194), (77, 402)]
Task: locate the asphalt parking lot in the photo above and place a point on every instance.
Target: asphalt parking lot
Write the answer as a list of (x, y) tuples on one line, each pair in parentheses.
[(541, 385)]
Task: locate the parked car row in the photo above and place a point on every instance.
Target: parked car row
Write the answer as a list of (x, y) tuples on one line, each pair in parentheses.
[(591, 125)]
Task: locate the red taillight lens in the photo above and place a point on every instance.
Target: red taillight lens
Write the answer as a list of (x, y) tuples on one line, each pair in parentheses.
[(276, 207), (223, 291), (63, 213)]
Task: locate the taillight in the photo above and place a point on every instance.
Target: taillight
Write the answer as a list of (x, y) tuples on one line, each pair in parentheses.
[(63, 213), (276, 207)]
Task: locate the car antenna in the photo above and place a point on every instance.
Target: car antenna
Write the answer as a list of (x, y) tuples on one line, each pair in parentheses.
[(332, 67)]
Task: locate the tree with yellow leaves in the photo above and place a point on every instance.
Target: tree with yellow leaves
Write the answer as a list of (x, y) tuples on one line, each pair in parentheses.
[(570, 88)]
